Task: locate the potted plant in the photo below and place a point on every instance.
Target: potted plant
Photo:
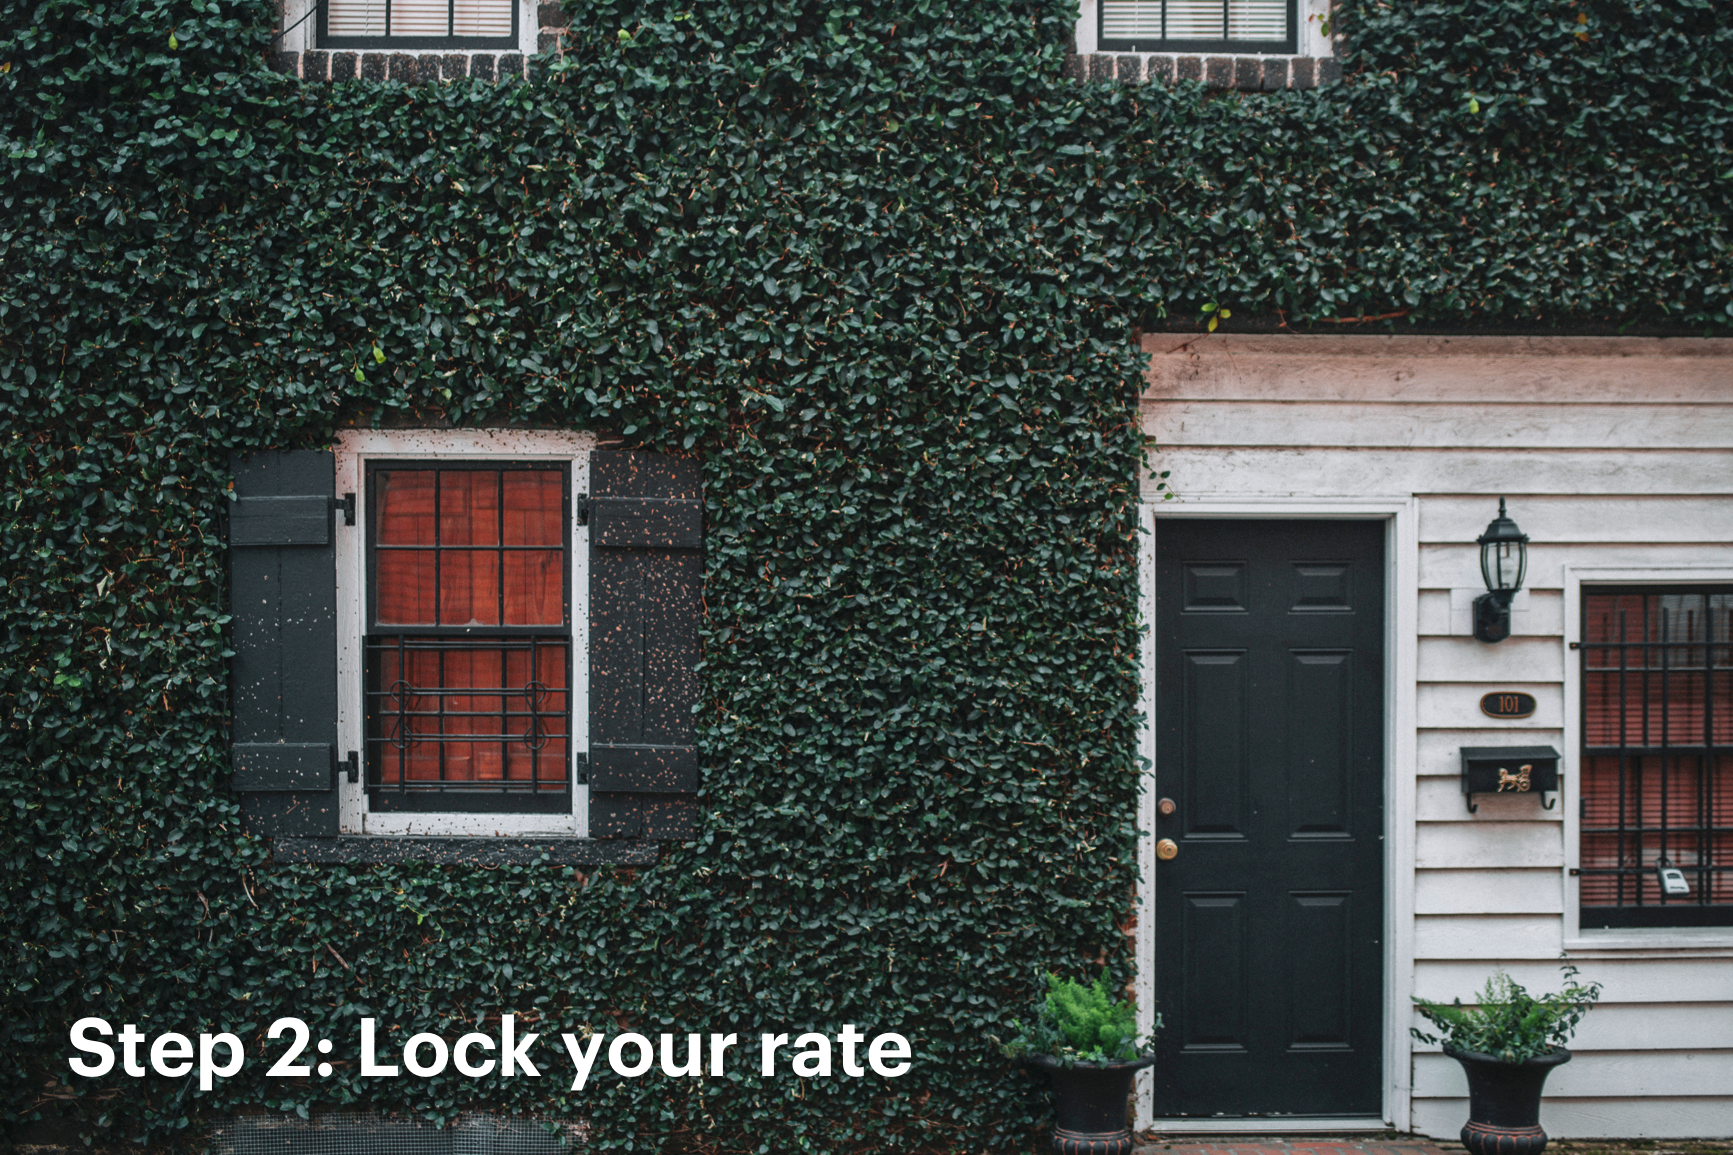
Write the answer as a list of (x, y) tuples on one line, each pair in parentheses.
[(1508, 1043), (1086, 1042)]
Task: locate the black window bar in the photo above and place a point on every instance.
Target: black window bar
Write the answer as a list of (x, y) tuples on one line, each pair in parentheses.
[(1657, 742), (527, 719)]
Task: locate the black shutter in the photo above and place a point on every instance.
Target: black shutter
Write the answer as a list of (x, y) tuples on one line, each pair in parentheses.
[(646, 573), (283, 601)]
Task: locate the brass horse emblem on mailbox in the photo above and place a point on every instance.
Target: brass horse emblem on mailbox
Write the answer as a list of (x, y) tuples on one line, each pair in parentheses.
[(1517, 782)]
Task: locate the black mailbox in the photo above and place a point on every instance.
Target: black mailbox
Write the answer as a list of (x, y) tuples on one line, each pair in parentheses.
[(1509, 770)]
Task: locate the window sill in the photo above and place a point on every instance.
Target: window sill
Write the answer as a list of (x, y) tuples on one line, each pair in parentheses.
[(1243, 73), (1623, 940), (362, 849)]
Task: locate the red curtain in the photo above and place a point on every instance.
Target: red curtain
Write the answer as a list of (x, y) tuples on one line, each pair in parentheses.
[(494, 555)]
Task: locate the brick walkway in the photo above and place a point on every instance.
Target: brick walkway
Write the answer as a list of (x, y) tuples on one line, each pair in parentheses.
[(1298, 1145)]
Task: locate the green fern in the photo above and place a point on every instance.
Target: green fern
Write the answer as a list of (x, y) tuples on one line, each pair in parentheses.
[(1507, 1022), (1080, 1023)]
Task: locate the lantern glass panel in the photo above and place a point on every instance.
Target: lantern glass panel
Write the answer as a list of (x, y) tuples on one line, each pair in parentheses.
[(1503, 563)]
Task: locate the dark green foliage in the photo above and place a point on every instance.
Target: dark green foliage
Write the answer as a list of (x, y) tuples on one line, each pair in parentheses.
[(1507, 1022), (1079, 1023), (878, 266)]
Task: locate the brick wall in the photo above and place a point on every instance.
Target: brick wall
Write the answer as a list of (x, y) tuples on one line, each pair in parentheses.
[(1243, 73)]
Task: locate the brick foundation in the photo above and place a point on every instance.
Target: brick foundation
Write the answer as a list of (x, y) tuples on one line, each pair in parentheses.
[(1223, 73)]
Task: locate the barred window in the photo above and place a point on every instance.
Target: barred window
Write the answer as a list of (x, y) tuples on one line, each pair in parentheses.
[(468, 646), (1657, 766), (1198, 25)]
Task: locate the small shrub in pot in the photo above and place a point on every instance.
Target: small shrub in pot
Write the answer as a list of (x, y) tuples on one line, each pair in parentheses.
[(1086, 1041), (1508, 1041)]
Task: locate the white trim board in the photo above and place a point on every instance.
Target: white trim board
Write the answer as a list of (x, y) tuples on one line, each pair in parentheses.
[(1615, 942), (1401, 633)]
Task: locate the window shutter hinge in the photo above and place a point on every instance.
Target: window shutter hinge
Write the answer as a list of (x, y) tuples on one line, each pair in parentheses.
[(1573, 872), (1576, 645), (583, 768), (346, 503), (353, 762), (583, 512)]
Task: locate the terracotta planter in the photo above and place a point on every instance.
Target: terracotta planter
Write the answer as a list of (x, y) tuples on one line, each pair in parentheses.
[(1090, 1101), (1504, 1102)]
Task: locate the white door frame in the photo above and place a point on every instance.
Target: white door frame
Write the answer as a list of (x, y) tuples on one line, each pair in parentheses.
[(1401, 516)]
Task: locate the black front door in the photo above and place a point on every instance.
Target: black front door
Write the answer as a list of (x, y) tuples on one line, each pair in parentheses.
[(1270, 747)]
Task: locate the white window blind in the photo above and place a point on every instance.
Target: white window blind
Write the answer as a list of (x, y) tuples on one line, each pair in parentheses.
[(418, 18), (1194, 19), (481, 17)]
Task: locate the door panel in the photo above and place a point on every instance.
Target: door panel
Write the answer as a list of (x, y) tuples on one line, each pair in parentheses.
[(1215, 994), (1269, 737), (1216, 768)]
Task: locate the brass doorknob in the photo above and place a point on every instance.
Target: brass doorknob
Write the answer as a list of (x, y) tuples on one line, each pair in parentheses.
[(1165, 849), (1166, 806)]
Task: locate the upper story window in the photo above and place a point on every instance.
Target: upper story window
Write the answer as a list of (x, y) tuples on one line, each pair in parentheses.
[(1257, 26), (418, 24), (1657, 758)]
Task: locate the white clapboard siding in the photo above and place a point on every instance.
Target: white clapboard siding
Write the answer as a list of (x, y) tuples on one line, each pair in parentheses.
[(1497, 370), (1512, 660), (1363, 472), (1460, 520), (1487, 892), (1625, 979), (1438, 749), (1636, 1027), (1537, 613), (1471, 845), (1599, 1073), (1611, 452), (1444, 566), (1454, 704), (1441, 799), (1707, 1118), (1386, 424), (1487, 936)]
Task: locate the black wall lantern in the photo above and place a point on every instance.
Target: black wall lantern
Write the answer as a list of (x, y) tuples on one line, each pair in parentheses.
[(1503, 563)]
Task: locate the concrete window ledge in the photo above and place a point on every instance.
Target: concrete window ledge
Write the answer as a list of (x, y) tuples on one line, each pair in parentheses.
[(363, 849), (1240, 73)]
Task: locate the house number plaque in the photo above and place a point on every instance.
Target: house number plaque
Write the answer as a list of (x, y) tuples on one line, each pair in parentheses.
[(1507, 704)]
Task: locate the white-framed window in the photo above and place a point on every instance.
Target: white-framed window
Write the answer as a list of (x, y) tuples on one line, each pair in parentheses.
[(462, 649), (1198, 25), (1649, 736), (1213, 27), (410, 26)]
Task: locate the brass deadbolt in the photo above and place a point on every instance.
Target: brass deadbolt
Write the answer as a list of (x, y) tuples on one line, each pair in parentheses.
[(1166, 806), (1166, 849)]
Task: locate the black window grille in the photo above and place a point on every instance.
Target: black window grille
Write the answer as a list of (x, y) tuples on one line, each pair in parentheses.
[(1657, 766), (468, 650), (1245, 26), (418, 24)]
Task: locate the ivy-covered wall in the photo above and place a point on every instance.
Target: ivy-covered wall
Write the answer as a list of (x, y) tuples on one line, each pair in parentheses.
[(879, 267)]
